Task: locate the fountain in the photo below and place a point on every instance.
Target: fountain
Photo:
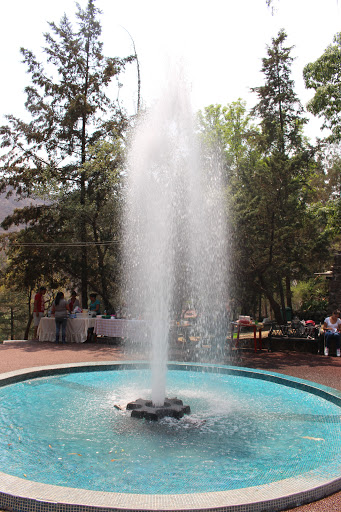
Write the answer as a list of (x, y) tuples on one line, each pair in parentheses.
[(170, 407), (175, 230), (254, 441)]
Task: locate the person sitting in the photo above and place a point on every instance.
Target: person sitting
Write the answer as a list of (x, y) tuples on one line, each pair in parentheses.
[(332, 326), (59, 310), (95, 304), (73, 302)]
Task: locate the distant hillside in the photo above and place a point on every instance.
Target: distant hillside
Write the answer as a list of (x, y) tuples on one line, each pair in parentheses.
[(8, 205)]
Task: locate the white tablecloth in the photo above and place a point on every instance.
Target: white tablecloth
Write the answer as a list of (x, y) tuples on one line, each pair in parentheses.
[(120, 328), (76, 329)]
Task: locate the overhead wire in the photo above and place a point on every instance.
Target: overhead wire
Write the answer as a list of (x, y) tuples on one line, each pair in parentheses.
[(62, 244)]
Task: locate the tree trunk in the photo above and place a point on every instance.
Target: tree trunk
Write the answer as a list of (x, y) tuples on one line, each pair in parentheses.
[(84, 277), (30, 314), (274, 305), (281, 294), (12, 323), (260, 308), (83, 237), (276, 309), (288, 290), (84, 269), (28, 326)]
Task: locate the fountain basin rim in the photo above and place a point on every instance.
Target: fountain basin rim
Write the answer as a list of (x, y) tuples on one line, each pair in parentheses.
[(18, 493), (315, 388)]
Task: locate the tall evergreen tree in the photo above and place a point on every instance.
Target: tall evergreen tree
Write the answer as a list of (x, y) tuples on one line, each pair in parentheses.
[(285, 169), (70, 110), (279, 108), (277, 230)]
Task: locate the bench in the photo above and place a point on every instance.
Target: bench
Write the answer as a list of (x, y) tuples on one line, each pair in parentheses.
[(297, 337)]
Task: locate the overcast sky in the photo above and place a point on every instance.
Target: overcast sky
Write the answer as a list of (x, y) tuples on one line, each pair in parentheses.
[(221, 43)]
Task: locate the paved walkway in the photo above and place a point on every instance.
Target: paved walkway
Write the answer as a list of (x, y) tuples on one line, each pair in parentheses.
[(324, 370)]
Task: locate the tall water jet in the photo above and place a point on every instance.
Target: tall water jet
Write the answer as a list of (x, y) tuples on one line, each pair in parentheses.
[(175, 225)]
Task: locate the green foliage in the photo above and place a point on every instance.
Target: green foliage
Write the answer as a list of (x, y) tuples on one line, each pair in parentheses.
[(277, 233), (283, 196), (13, 313), (70, 151), (310, 299), (323, 76), (57, 258), (70, 113), (279, 109), (228, 128)]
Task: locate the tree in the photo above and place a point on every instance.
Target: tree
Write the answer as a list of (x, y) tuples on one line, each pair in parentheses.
[(279, 227), (281, 122), (268, 168), (27, 268), (12, 313), (230, 129), (70, 112), (279, 109), (279, 192), (323, 76), (103, 213), (51, 237)]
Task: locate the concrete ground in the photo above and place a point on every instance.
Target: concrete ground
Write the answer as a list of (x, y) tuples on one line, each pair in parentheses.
[(316, 368)]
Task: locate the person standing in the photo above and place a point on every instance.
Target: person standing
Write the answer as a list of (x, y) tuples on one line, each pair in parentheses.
[(94, 308), (38, 309), (332, 326), (73, 302), (59, 310)]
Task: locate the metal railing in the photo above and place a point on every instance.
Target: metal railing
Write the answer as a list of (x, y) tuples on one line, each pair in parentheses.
[(294, 331)]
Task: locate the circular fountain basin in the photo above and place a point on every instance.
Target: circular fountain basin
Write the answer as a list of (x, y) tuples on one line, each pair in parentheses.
[(253, 441)]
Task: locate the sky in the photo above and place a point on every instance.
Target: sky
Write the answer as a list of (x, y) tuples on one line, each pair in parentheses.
[(221, 44)]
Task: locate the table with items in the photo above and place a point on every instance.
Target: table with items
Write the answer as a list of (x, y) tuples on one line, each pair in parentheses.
[(76, 329), (136, 330), (238, 325)]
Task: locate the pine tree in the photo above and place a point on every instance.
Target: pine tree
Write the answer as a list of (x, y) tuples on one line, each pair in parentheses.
[(279, 108), (285, 168), (70, 110)]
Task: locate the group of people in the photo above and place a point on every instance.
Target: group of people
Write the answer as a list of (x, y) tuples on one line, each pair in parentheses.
[(60, 310)]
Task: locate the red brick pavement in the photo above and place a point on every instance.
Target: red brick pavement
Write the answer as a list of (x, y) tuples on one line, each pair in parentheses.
[(324, 370)]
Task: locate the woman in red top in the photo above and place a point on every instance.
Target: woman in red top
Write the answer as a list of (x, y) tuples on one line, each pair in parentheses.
[(73, 302), (39, 307)]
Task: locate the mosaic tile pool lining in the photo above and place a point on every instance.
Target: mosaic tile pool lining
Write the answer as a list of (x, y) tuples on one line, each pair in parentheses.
[(22, 495)]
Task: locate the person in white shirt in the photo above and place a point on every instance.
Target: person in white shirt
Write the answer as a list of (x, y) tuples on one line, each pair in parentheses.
[(332, 327)]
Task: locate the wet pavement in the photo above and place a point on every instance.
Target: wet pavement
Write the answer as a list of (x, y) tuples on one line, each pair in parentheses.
[(323, 370)]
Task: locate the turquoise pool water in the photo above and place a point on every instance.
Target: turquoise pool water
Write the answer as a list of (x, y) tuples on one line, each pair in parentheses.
[(242, 432)]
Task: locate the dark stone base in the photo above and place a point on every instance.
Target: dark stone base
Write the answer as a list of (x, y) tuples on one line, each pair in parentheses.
[(173, 407)]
